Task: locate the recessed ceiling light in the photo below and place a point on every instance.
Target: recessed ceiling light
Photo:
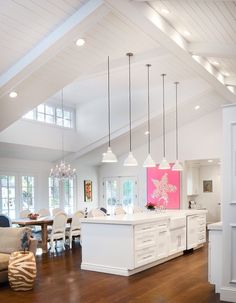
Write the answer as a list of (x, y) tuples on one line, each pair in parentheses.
[(210, 161), (225, 74), (146, 133), (187, 33), (13, 94), (80, 42), (165, 11), (197, 107), (215, 63)]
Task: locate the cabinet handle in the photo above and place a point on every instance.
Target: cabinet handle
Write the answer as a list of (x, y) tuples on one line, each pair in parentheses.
[(145, 241), (147, 257)]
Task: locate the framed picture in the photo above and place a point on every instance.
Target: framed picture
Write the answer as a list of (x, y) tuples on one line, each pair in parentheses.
[(88, 193), (163, 188), (207, 186)]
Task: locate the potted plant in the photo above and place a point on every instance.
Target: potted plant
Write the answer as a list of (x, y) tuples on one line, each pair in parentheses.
[(151, 205)]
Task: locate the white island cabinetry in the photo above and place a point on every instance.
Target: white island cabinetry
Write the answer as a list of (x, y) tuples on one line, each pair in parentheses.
[(127, 244)]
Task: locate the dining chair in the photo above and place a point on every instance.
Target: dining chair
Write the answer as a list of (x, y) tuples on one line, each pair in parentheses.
[(24, 213), (56, 211), (103, 209), (75, 226), (119, 211), (5, 221), (43, 212), (58, 230), (96, 213)]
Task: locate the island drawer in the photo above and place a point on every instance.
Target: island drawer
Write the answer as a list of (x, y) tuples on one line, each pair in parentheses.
[(145, 256), (145, 239), (145, 228)]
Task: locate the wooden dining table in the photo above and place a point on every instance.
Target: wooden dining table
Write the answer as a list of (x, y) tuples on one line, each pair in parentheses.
[(43, 222)]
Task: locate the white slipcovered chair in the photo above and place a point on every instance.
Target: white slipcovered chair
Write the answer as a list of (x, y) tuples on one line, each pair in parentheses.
[(58, 230), (56, 211), (119, 211), (96, 213), (75, 226), (24, 214), (43, 212)]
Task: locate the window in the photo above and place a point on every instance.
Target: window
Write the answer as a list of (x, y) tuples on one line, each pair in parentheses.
[(8, 195), (61, 194), (53, 115), (27, 190), (54, 193), (120, 191)]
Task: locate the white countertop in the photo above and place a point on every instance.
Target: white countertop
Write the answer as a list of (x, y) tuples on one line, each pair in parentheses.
[(145, 217), (215, 226)]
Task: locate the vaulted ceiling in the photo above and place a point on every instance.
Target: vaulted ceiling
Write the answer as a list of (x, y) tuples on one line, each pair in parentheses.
[(193, 42)]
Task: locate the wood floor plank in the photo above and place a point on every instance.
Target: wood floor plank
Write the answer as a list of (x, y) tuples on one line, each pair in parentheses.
[(60, 280)]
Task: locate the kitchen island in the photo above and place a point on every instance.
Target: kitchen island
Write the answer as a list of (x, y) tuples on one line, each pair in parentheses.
[(127, 244)]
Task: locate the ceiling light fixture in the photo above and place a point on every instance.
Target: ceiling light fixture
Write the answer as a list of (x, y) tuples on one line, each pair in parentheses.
[(62, 171), (130, 160), (225, 74), (187, 33), (13, 94), (109, 156), (177, 166), (149, 162), (165, 11), (197, 107), (215, 63), (80, 42), (146, 133), (164, 164), (210, 161)]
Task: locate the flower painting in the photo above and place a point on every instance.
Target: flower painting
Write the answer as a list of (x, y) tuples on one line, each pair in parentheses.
[(163, 188)]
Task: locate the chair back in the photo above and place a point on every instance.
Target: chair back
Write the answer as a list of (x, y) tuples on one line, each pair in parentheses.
[(24, 213), (137, 210), (5, 221), (119, 211), (96, 213), (59, 223), (103, 209), (75, 223), (56, 211), (43, 212)]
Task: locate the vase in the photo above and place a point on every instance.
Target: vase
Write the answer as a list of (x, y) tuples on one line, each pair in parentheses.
[(22, 270)]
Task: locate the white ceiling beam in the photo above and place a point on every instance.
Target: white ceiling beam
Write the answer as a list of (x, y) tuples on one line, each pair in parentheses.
[(231, 81), (150, 22), (217, 50), (33, 76)]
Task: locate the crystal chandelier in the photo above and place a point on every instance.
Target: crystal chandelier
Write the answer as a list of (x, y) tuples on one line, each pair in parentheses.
[(62, 171)]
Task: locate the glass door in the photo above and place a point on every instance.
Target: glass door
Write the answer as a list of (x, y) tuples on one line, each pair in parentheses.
[(128, 193), (8, 195)]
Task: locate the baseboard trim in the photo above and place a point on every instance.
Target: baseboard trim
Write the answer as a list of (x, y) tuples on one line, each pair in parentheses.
[(228, 294)]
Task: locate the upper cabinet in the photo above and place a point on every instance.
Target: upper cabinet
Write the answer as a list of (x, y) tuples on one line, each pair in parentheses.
[(193, 181)]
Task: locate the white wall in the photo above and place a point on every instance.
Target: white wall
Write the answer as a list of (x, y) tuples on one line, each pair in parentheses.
[(210, 201), (200, 139)]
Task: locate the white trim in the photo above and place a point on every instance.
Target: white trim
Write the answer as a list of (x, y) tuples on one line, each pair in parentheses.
[(228, 294)]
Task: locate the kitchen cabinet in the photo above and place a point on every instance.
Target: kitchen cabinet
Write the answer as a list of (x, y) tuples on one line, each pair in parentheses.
[(196, 230), (193, 181), (177, 235)]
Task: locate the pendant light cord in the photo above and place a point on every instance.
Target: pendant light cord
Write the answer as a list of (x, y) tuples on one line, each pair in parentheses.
[(109, 102), (176, 120), (130, 142), (163, 121), (62, 117), (149, 129)]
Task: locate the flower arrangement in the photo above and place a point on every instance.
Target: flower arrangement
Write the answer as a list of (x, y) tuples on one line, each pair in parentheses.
[(33, 216), (151, 205)]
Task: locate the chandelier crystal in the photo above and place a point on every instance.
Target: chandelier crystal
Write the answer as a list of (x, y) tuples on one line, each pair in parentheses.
[(62, 171)]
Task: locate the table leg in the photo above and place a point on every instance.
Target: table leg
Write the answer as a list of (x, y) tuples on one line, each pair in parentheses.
[(44, 238)]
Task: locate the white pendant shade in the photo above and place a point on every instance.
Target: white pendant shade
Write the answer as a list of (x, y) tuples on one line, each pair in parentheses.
[(149, 162), (177, 166), (164, 164), (130, 160), (109, 156)]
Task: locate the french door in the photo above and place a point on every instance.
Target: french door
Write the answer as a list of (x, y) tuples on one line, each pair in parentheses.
[(120, 191), (8, 195)]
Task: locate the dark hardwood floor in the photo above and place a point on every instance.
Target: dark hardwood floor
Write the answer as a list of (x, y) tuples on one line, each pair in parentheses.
[(60, 280)]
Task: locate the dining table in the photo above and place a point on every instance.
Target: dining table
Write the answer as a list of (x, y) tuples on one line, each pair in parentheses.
[(43, 222)]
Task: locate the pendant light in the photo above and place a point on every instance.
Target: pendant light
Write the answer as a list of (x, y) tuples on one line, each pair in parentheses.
[(130, 160), (164, 164), (149, 162), (177, 166), (62, 171), (109, 156)]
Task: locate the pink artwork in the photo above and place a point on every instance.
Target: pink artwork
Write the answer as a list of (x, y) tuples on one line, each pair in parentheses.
[(163, 187)]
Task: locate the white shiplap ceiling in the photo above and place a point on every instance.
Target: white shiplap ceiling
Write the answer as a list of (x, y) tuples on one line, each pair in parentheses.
[(110, 27)]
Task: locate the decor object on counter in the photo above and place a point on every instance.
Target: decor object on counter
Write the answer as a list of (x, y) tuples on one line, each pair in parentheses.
[(151, 206), (164, 163), (62, 171), (22, 266), (109, 156), (130, 160), (163, 188), (207, 186), (33, 216), (88, 195), (177, 165), (149, 162)]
